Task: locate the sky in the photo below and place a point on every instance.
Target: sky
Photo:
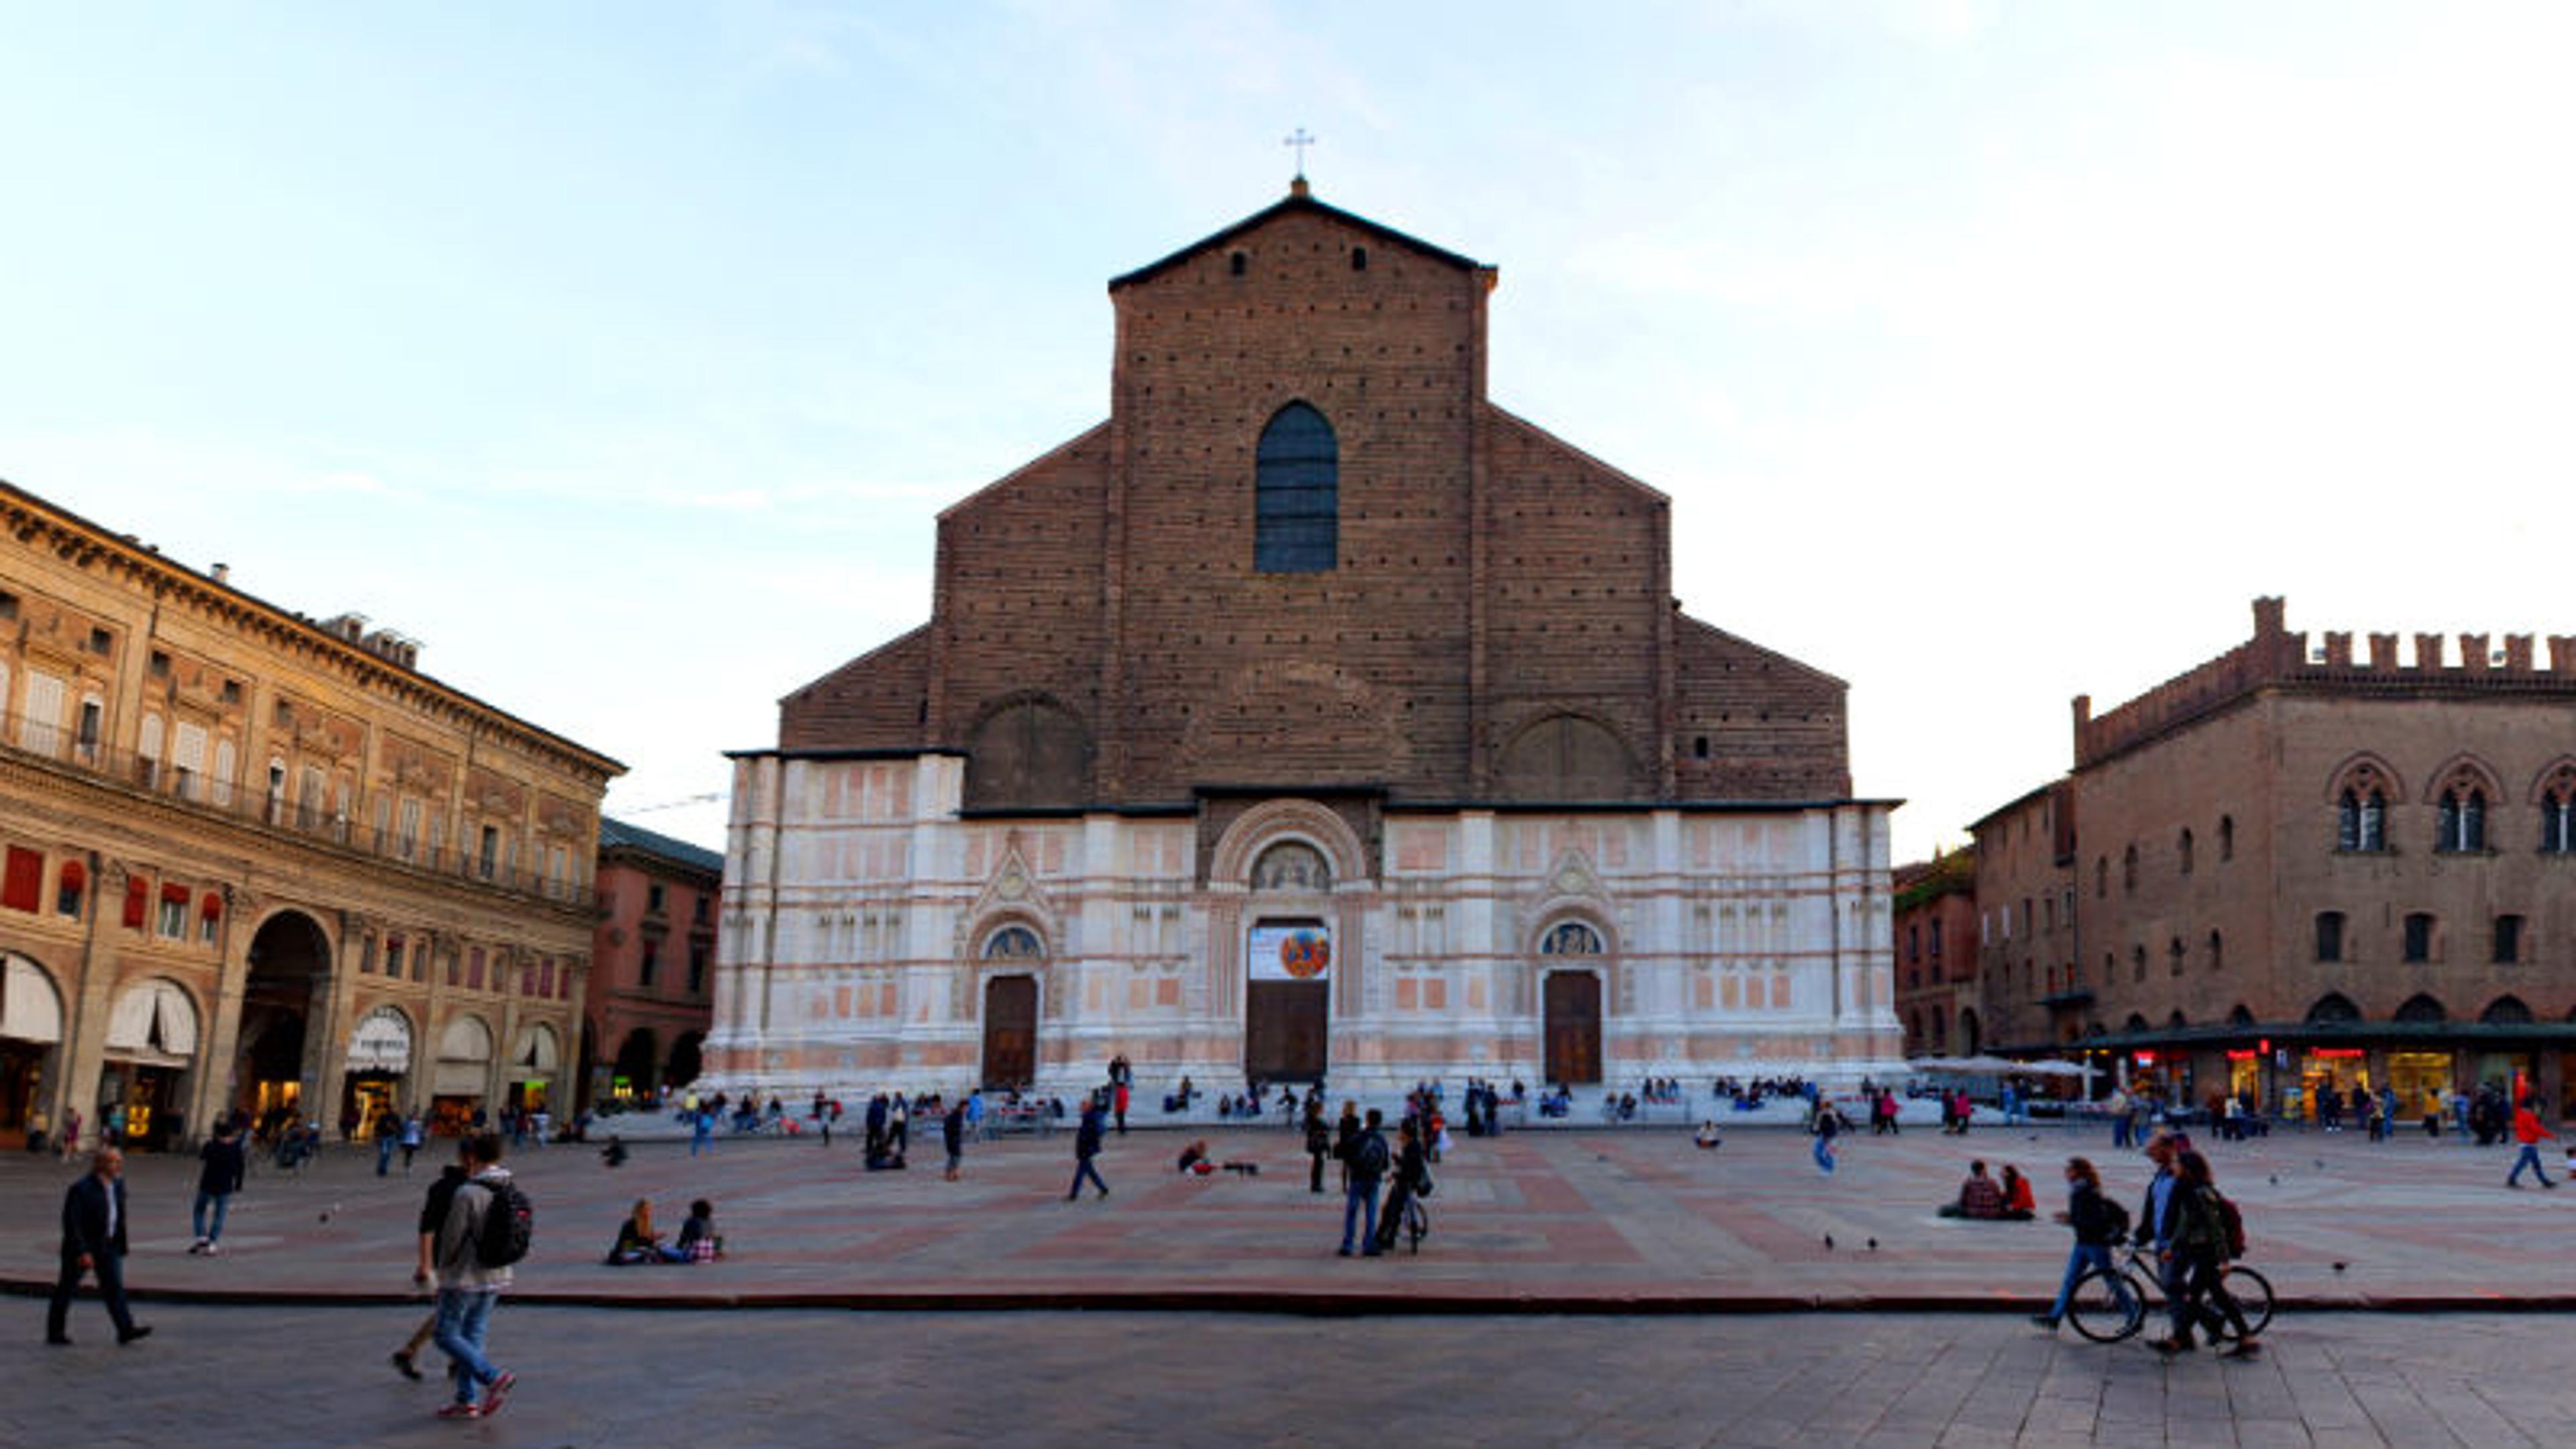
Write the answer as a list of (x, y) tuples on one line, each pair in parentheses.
[(625, 353)]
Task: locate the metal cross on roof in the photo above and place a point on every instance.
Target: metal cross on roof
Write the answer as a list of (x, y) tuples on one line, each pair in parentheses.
[(1300, 141)]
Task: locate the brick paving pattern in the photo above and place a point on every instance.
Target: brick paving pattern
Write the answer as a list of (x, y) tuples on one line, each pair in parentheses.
[(1571, 1219)]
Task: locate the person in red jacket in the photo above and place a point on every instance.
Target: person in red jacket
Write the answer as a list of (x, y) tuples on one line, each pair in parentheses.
[(2528, 1131)]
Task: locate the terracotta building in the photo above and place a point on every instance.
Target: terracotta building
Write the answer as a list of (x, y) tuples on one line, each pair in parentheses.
[(1935, 951), (255, 860), (653, 967), (1312, 713), (2304, 864)]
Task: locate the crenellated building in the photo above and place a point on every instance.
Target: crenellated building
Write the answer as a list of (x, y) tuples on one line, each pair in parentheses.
[(1312, 714), (2298, 866), (260, 861)]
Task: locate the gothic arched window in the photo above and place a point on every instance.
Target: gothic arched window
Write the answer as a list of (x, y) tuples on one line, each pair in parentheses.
[(1296, 494), (2361, 820), (2461, 825)]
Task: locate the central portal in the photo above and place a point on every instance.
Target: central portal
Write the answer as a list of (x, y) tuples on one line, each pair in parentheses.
[(1288, 965)]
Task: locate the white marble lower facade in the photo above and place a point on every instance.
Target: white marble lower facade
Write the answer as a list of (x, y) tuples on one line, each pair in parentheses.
[(873, 939)]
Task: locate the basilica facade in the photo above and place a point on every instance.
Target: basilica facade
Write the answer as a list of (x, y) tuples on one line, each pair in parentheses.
[(1310, 717)]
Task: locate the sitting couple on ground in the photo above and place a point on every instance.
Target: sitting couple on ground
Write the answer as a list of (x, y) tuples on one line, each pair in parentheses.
[(1982, 1197), (638, 1242)]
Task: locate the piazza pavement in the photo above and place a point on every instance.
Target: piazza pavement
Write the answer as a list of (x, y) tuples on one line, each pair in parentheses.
[(1595, 1286)]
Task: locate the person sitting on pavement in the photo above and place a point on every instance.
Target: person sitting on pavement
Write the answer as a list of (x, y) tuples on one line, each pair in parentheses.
[(637, 1242), (1194, 1159), (2020, 1203), (698, 1241), (1707, 1138), (1979, 1196)]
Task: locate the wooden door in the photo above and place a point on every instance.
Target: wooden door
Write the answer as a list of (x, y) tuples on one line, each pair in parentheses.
[(1573, 1027), (1010, 1031), (1284, 1028)]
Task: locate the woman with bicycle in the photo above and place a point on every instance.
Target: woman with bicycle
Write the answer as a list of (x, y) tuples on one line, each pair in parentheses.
[(2199, 1259), (2098, 1223)]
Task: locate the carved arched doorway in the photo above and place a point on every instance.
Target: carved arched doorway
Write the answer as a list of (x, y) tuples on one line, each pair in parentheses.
[(1011, 1008), (274, 1062), (1570, 955), (1288, 963)]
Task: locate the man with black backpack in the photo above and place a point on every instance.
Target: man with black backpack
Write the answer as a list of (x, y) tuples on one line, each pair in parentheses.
[(1365, 1167), (486, 1231)]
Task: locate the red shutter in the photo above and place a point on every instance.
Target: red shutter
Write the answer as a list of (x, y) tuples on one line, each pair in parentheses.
[(212, 907), (176, 895), (24, 887), (138, 899)]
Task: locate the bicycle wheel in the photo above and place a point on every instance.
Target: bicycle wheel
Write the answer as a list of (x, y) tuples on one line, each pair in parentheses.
[(2253, 1294), (2102, 1308)]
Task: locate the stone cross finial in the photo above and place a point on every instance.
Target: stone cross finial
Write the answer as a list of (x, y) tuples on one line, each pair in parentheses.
[(1299, 141)]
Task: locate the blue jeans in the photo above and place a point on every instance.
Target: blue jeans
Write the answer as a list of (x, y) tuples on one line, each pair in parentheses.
[(1085, 1168), (384, 1152), (1359, 1200), (2530, 1158), (2084, 1259), (463, 1319), (1824, 1153), (197, 1215)]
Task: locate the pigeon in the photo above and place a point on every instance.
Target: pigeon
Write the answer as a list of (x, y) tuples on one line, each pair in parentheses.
[(2339, 1267), (1873, 1245), (1829, 1242), (2276, 1179), (2321, 1164)]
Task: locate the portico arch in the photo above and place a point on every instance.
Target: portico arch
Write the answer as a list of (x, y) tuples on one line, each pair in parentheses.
[(31, 1040), (277, 1058)]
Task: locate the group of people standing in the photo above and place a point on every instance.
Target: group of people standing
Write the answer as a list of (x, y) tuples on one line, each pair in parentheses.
[(2191, 1228)]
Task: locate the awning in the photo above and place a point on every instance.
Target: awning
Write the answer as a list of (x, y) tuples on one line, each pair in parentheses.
[(538, 1054), (29, 1009), (382, 1042), (464, 1058), (153, 1023)]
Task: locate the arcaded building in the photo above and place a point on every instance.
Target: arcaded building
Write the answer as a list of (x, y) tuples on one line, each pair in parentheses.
[(260, 861), (2305, 863), (652, 968), (1310, 715)]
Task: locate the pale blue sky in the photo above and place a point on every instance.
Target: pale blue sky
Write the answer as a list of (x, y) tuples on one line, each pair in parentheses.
[(623, 353)]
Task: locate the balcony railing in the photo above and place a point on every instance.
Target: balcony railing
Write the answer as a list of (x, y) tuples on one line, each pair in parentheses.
[(61, 747)]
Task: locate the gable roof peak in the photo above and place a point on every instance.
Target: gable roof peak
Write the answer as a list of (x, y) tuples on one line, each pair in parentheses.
[(1300, 199)]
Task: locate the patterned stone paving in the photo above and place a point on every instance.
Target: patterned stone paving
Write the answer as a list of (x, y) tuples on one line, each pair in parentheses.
[(1587, 1220)]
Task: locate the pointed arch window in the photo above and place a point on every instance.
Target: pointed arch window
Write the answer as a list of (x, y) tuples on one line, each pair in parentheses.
[(1297, 494), (2461, 825), (2361, 819)]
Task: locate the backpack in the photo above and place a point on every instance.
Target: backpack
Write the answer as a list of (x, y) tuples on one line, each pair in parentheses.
[(2115, 1220), (1368, 1159), (507, 1222), (2232, 1221)]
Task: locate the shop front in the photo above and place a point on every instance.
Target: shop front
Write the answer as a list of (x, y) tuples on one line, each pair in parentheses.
[(534, 1061), (2418, 1078), (31, 1033), (379, 1061), (461, 1076), (151, 1044)]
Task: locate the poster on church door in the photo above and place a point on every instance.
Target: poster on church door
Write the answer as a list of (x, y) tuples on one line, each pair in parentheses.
[(1291, 951)]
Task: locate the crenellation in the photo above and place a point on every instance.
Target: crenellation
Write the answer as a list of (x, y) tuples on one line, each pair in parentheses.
[(2339, 649), (2383, 651), (2429, 650)]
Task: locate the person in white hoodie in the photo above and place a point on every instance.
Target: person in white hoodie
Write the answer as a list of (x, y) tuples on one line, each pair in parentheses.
[(469, 1288)]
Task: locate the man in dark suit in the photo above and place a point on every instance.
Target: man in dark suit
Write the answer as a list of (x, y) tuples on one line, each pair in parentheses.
[(94, 1241)]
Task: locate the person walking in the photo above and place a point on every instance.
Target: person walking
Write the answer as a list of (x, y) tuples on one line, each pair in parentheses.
[(411, 1135), (1086, 1150), (702, 1131), (424, 1273), (2199, 1251), (2098, 1223), (952, 1135), (1319, 1143), (94, 1242), (1361, 1172), (218, 1178), (469, 1288), (2530, 1132), (1118, 1100), (1828, 1124)]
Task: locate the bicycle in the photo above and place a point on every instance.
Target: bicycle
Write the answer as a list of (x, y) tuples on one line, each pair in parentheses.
[(2098, 1311)]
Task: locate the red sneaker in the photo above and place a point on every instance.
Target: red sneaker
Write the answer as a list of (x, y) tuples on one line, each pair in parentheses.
[(460, 1411), (496, 1392)]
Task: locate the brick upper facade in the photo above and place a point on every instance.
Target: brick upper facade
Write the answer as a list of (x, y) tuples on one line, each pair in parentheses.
[(1498, 624)]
